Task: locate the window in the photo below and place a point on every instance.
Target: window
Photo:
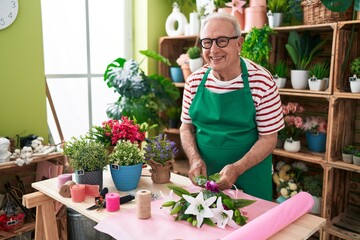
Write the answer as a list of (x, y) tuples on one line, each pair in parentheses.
[(80, 39)]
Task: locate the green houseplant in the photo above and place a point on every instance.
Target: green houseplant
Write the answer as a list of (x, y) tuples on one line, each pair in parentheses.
[(88, 159), (280, 72), (257, 46), (302, 48), (159, 153), (355, 79), (141, 97), (276, 13), (347, 153), (319, 75), (313, 184), (126, 162), (195, 59)]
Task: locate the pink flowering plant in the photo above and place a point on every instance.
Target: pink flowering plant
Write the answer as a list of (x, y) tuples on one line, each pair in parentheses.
[(208, 206), (111, 131), (293, 121), (315, 125)]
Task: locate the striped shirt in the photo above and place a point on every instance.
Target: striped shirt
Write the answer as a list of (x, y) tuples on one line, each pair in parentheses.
[(266, 98)]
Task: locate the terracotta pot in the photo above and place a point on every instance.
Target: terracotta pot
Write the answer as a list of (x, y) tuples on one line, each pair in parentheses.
[(186, 70), (240, 16), (255, 17), (160, 173)]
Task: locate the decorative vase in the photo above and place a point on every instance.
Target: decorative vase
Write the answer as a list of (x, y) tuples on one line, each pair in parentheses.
[(316, 141), (92, 178), (126, 178), (160, 173), (347, 158), (292, 146), (176, 74), (194, 23), (175, 18), (299, 79)]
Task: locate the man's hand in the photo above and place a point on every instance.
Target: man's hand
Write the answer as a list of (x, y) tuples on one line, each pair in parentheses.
[(197, 168), (228, 177)]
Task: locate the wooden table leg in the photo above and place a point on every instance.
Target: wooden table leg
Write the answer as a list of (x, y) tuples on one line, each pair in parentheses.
[(45, 215)]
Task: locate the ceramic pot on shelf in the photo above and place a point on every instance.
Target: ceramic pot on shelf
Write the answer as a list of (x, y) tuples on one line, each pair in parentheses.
[(316, 141), (354, 84), (292, 146), (299, 79)]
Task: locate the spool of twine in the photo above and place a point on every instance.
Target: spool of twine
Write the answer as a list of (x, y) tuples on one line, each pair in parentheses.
[(143, 204), (65, 189)]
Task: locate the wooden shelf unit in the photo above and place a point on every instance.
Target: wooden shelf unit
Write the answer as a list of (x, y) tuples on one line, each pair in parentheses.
[(336, 103), (27, 174)]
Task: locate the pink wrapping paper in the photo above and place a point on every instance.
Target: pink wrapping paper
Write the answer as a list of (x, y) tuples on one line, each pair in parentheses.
[(275, 219), (260, 215)]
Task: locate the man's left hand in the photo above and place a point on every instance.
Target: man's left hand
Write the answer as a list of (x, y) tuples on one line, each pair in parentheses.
[(228, 177)]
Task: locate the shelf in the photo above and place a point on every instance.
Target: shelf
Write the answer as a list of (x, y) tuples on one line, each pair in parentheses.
[(345, 166), (304, 93), (26, 228), (348, 95), (303, 155), (341, 233)]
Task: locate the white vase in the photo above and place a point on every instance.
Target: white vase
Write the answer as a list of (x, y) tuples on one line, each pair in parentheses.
[(275, 19), (317, 84), (292, 146), (354, 84), (176, 17), (195, 64), (299, 79), (194, 23)]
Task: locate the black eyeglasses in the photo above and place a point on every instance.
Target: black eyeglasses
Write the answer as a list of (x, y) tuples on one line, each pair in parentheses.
[(221, 42)]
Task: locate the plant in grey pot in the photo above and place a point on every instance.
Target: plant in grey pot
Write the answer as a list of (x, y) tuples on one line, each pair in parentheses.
[(126, 162), (356, 157), (88, 159), (195, 59), (302, 49), (280, 72), (319, 76), (347, 153), (313, 185), (276, 13), (141, 97), (355, 79)]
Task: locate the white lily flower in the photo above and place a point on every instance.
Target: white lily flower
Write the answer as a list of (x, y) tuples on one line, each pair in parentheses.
[(199, 207), (222, 216)]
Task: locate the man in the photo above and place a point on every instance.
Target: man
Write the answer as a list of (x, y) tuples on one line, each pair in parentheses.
[(231, 113)]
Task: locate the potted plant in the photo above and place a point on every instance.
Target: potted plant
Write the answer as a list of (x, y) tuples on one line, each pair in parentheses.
[(356, 157), (141, 97), (280, 71), (355, 79), (319, 76), (195, 59), (302, 49), (173, 114), (159, 154), (88, 159), (313, 185), (347, 153), (257, 46), (277, 10), (111, 131), (315, 128), (126, 162), (293, 122)]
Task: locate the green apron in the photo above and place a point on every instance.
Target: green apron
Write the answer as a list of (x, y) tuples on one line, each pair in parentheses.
[(225, 132)]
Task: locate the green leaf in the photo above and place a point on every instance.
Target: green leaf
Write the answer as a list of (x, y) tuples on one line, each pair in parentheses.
[(240, 203), (179, 190), (200, 180), (176, 208), (156, 56), (215, 177), (208, 221), (168, 204)]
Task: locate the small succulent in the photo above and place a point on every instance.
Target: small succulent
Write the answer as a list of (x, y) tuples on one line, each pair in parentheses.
[(320, 70), (349, 149), (280, 69), (355, 67), (194, 52)]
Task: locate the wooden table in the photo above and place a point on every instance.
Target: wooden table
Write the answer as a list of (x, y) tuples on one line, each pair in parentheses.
[(46, 226)]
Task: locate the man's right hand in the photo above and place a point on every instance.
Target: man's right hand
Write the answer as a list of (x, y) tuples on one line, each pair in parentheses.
[(197, 168)]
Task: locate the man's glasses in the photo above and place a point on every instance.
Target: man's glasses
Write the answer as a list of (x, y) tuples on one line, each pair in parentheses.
[(221, 42)]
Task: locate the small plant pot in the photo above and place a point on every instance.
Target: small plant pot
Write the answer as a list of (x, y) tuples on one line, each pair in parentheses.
[(280, 82), (299, 79), (317, 84), (347, 158), (354, 84), (317, 205), (291, 145), (195, 64), (275, 19), (176, 74), (356, 160)]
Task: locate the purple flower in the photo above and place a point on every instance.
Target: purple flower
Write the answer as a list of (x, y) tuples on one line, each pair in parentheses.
[(212, 186)]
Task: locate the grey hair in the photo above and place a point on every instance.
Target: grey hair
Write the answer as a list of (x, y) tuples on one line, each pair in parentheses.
[(222, 16)]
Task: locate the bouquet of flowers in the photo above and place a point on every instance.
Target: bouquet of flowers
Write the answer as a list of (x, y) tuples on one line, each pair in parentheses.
[(210, 205), (111, 131), (293, 121), (315, 125)]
